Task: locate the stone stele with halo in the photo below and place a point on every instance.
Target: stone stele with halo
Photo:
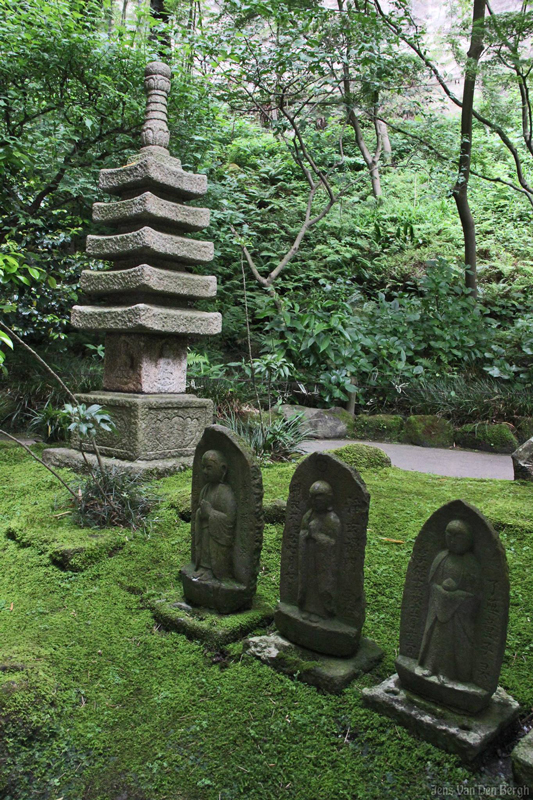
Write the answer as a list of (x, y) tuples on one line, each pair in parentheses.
[(144, 302)]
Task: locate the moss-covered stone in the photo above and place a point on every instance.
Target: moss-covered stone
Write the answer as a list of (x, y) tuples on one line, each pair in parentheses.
[(362, 456), (429, 431), (347, 418), (497, 438), (378, 427), (524, 429), (172, 611)]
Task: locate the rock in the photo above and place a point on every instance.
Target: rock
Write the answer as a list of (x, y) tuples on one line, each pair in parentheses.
[(523, 461), (158, 427), (275, 512), (362, 456), (429, 431), (497, 438), (148, 319), (226, 523), (524, 429), (322, 600), (465, 736), (149, 242), (148, 207), (321, 423), (378, 427), (522, 760), (327, 673), (148, 280)]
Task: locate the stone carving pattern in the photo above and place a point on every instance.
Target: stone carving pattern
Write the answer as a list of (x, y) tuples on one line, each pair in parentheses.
[(157, 84)]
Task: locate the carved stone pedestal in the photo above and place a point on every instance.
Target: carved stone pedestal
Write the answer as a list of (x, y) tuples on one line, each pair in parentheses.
[(464, 735), (154, 433)]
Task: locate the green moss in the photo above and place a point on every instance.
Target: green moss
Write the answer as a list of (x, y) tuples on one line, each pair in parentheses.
[(170, 610), (347, 418), (379, 427), (483, 436), (362, 456), (429, 431), (524, 429), (115, 706)]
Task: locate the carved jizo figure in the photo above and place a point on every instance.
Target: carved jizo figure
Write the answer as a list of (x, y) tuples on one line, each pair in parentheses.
[(215, 520), (454, 610), (449, 636), (322, 598), (317, 566), (226, 523)]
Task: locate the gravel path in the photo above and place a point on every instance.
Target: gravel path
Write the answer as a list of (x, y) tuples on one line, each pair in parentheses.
[(453, 463)]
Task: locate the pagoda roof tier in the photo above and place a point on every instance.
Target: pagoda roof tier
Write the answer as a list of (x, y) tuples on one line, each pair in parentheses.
[(145, 278), (146, 318), (149, 242), (154, 173), (147, 207)]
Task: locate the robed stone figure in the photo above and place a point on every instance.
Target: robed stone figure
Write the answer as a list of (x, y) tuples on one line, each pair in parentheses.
[(226, 523)]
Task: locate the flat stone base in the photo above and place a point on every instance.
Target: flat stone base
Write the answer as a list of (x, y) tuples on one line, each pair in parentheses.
[(226, 597), (462, 734), (172, 611), (330, 674), (329, 636), (465, 697), (158, 468), (522, 759)]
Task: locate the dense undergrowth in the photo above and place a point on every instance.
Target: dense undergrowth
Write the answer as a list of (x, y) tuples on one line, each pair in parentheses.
[(98, 702)]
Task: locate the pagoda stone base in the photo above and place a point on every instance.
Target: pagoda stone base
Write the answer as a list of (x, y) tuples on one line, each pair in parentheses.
[(149, 428)]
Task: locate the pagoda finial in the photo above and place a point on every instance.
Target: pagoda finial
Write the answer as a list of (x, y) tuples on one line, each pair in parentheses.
[(157, 84)]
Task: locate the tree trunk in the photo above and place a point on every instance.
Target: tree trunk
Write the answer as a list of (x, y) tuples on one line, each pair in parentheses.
[(159, 12), (460, 189)]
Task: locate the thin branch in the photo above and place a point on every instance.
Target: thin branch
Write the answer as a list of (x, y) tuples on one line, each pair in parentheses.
[(40, 461)]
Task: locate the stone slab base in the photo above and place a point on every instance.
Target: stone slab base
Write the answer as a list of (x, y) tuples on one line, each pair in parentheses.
[(328, 673), (172, 611), (226, 597), (158, 468), (522, 759), (459, 733), (150, 427), (329, 636)]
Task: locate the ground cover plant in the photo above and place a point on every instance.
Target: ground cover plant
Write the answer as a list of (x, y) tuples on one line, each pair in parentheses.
[(99, 702)]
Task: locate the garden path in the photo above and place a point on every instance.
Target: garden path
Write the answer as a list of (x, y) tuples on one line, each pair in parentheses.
[(454, 463)]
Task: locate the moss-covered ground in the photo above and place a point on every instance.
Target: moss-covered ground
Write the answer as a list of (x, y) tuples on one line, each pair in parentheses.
[(98, 702)]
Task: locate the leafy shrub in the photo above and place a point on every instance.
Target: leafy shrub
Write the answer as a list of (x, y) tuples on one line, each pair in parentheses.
[(362, 456), (429, 431), (113, 499), (378, 427), (273, 439), (50, 423), (465, 399), (483, 436), (524, 429)]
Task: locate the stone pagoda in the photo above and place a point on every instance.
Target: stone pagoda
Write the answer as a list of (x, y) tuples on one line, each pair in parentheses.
[(144, 302)]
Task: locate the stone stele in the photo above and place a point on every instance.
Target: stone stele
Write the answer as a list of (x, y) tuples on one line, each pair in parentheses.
[(226, 523), (452, 635), (322, 601), (143, 302)]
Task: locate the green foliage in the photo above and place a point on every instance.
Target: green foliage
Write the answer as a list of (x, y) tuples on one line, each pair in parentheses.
[(87, 420), (362, 456), (465, 398), (378, 427), (483, 436), (113, 499), (429, 431), (50, 423), (271, 438)]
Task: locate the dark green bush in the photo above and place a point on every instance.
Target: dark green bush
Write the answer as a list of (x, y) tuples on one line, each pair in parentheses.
[(113, 499), (482, 436), (378, 427), (362, 456), (429, 431)]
